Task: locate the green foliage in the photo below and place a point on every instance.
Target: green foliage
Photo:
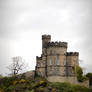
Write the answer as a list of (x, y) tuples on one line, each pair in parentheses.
[(39, 84), (79, 74), (67, 87), (10, 88), (61, 86), (7, 81), (89, 76)]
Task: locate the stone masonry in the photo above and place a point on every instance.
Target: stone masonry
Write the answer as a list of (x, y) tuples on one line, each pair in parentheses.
[(55, 62)]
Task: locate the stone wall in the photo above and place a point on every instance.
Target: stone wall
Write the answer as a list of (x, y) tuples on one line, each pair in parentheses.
[(85, 83), (62, 79), (72, 80)]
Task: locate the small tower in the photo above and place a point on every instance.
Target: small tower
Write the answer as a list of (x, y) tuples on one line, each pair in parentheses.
[(45, 40), (72, 62)]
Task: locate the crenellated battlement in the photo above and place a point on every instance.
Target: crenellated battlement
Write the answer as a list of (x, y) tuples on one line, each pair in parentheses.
[(38, 58), (72, 53), (46, 36), (57, 44)]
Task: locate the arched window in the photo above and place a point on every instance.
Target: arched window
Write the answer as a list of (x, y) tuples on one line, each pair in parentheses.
[(58, 60)]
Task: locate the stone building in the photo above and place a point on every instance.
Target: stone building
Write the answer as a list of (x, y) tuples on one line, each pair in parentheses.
[(55, 63)]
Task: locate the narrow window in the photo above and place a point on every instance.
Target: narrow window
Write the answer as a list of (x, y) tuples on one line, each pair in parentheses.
[(64, 61), (50, 62), (50, 52), (38, 64), (65, 70), (51, 68), (57, 71), (58, 60)]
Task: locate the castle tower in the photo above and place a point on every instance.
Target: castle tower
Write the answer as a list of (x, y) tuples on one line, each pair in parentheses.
[(56, 58), (45, 40), (72, 59)]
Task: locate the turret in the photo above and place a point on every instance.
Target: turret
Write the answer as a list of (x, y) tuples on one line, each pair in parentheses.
[(72, 59), (72, 54), (45, 40)]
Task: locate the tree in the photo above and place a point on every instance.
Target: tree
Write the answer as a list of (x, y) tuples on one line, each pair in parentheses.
[(89, 75), (79, 73), (17, 65)]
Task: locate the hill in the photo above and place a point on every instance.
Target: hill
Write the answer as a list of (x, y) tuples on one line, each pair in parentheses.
[(37, 84)]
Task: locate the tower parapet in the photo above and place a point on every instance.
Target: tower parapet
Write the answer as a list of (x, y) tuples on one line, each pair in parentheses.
[(57, 44), (72, 53), (38, 58), (45, 40), (46, 37)]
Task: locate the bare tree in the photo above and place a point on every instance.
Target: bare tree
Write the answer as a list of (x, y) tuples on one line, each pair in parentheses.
[(17, 65)]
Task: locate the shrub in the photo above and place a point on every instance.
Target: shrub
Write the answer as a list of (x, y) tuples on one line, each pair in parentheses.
[(79, 74), (22, 81), (89, 76), (10, 88), (67, 87), (53, 90), (43, 83), (15, 82), (32, 90), (1, 90), (61, 86)]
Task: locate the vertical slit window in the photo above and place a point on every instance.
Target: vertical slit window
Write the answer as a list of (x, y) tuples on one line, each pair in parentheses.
[(50, 62), (51, 68), (58, 60), (57, 71), (64, 61), (65, 70)]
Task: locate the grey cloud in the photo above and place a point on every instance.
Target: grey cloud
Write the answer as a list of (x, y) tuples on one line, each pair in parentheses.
[(67, 20)]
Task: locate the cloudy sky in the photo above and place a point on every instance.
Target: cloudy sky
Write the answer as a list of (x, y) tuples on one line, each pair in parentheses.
[(22, 22)]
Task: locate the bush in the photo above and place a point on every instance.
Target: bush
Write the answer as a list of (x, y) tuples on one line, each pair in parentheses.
[(7, 81), (10, 88), (61, 86), (67, 87), (22, 81), (43, 83), (38, 85), (89, 76), (79, 74)]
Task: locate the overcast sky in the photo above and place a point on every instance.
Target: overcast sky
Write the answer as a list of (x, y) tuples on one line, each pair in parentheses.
[(22, 22)]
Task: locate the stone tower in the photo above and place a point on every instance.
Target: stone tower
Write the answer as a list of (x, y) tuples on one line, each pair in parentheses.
[(55, 61)]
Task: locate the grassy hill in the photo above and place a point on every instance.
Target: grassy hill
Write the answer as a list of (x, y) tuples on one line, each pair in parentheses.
[(38, 84)]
